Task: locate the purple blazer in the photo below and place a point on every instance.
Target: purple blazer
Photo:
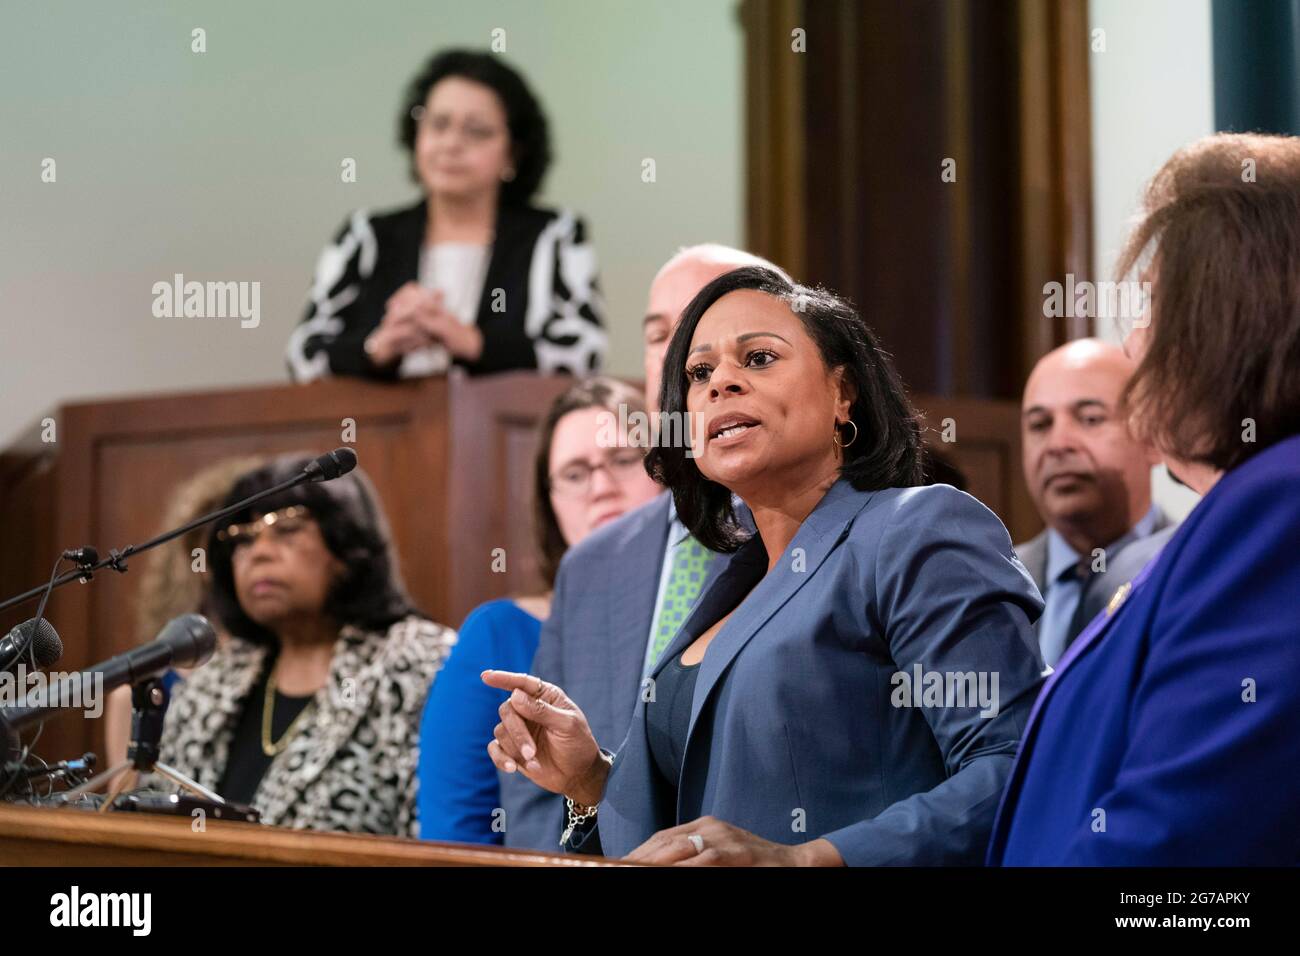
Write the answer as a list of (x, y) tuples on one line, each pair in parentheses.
[(1169, 734)]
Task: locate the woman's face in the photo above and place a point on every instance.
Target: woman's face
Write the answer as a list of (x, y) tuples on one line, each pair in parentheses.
[(764, 402), (285, 572), (592, 485), (462, 141)]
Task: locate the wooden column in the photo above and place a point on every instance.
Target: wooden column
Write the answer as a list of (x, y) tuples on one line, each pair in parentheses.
[(848, 143)]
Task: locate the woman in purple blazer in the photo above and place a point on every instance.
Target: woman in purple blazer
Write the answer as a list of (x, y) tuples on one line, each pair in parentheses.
[(1169, 733)]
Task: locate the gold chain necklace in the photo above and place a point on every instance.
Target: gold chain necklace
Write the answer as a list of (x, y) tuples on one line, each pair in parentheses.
[(272, 747)]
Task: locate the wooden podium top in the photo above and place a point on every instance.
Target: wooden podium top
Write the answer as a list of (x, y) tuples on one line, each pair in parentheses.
[(38, 836)]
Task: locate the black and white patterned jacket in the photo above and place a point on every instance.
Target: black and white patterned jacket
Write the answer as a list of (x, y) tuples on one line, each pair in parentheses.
[(541, 306), (351, 765)]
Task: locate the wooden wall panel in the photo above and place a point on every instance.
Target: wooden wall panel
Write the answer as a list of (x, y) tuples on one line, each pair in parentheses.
[(494, 442)]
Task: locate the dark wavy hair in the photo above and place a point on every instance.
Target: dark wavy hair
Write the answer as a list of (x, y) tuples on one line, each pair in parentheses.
[(598, 392), (370, 596), (530, 137), (887, 452)]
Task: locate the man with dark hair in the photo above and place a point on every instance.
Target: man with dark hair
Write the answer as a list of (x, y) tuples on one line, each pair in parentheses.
[(1091, 482)]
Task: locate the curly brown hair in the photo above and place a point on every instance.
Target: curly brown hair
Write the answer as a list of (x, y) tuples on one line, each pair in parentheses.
[(169, 585), (1220, 237)]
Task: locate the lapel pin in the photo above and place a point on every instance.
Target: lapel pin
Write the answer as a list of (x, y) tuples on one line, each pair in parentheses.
[(1118, 598)]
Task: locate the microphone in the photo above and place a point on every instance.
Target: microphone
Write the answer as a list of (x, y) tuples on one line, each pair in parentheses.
[(46, 646), (331, 465), (327, 467), (186, 641), (86, 555)]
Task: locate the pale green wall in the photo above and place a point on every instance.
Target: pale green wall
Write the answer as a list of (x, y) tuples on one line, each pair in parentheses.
[(1152, 91), (225, 165)]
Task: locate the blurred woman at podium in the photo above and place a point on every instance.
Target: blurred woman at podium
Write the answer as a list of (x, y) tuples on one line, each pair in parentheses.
[(310, 710), (472, 275)]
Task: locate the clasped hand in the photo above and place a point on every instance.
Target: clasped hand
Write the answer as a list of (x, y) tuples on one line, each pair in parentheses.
[(415, 317)]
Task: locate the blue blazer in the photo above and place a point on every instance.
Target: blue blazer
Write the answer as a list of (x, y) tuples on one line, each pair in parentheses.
[(797, 729), (1169, 734), (593, 646)]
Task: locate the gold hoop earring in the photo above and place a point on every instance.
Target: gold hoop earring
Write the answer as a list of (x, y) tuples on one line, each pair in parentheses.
[(836, 437)]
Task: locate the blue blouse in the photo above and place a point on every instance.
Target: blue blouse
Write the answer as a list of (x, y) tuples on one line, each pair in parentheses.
[(459, 798)]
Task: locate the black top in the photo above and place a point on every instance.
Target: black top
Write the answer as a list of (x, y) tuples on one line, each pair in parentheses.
[(248, 762), (385, 255), (668, 717)]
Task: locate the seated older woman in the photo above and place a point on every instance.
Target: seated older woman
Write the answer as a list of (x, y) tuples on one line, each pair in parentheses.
[(1167, 735), (852, 688), (310, 711)]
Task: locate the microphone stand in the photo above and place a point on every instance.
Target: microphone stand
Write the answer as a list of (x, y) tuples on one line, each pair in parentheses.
[(323, 468), (117, 559), (149, 700)]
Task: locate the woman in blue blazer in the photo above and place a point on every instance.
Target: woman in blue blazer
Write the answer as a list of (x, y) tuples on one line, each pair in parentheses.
[(852, 688), (1169, 734)]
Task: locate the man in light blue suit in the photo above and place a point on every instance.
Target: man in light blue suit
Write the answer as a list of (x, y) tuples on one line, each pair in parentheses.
[(621, 594)]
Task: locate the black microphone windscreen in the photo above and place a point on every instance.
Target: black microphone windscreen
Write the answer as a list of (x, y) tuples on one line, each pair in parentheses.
[(332, 464), (46, 647), (191, 639)]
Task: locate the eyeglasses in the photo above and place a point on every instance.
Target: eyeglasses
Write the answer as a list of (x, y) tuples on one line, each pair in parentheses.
[(574, 479), (282, 524), (473, 130)]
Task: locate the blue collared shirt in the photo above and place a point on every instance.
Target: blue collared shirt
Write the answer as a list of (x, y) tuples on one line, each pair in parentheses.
[(1064, 591)]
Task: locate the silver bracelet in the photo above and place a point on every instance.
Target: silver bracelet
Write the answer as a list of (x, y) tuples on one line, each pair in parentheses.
[(578, 815)]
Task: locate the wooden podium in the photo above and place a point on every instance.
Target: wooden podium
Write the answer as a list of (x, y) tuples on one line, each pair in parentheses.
[(451, 459), (31, 836)]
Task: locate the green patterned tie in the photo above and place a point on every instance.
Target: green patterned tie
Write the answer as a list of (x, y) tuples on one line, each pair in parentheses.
[(690, 559)]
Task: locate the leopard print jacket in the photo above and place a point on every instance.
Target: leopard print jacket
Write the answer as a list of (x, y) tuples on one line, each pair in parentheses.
[(352, 765)]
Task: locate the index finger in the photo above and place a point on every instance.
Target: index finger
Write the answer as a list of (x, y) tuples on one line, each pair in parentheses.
[(509, 680)]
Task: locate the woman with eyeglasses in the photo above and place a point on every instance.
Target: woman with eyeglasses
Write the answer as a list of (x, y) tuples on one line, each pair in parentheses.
[(472, 275), (309, 712), (579, 484)]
